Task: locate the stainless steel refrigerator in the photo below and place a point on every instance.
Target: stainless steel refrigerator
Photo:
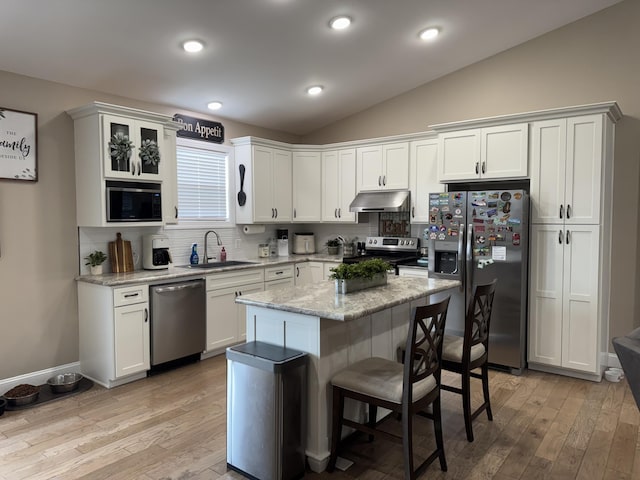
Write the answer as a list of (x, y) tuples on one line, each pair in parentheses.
[(474, 237)]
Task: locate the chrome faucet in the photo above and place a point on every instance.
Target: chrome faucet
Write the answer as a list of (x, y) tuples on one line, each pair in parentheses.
[(206, 257)]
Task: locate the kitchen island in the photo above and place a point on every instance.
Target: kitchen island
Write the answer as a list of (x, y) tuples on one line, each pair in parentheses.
[(336, 330)]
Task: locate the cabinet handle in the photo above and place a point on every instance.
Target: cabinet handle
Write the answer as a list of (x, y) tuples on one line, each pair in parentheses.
[(294, 213), (276, 212), (176, 208), (413, 212), (146, 315), (335, 213), (297, 272), (379, 180), (339, 213), (384, 180), (279, 273), (561, 210), (568, 211), (568, 237), (560, 237), (129, 295), (477, 164), (483, 167)]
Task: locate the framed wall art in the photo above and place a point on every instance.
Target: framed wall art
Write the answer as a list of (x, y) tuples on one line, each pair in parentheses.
[(18, 145)]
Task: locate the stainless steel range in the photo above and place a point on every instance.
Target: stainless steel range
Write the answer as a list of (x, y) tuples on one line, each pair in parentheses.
[(395, 250)]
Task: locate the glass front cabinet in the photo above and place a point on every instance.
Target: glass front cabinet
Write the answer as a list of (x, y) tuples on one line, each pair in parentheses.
[(132, 149)]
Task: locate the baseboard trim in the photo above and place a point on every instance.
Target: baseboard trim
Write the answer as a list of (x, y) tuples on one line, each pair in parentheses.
[(612, 360), (38, 378)]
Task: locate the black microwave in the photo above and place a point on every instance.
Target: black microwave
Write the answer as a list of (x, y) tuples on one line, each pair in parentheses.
[(133, 202)]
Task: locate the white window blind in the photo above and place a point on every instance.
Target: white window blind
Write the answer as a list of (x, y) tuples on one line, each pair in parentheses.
[(202, 184)]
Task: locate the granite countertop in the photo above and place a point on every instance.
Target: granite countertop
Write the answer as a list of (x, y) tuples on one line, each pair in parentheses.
[(320, 299), (180, 273)]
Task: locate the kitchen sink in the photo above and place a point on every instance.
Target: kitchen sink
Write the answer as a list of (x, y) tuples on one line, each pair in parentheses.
[(228, 263)]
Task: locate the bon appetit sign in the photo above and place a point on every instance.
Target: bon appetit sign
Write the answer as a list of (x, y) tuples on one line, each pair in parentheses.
[(200, 129)]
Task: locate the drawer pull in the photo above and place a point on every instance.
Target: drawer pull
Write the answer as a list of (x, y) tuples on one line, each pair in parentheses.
[(129, 295)]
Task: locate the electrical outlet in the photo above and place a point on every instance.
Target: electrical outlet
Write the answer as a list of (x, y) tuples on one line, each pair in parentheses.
[(238, 242)]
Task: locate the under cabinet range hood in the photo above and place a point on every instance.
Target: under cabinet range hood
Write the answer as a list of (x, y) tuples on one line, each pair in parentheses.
[(383, 201)]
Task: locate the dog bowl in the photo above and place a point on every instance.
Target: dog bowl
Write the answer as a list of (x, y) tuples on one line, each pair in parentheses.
[(614, 374), (65, 382), (22, 394)]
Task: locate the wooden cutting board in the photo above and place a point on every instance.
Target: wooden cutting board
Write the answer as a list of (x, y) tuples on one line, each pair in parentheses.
[(121, 255)]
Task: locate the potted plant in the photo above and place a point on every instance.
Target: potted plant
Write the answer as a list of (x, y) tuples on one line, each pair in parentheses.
[(95, 260), (333, 245), (361, 275)]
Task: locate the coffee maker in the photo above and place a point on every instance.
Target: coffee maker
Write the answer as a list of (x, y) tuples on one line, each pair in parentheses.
[(155, 252)]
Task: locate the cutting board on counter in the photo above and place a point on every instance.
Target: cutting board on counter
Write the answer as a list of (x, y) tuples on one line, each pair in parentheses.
[(121, 255)]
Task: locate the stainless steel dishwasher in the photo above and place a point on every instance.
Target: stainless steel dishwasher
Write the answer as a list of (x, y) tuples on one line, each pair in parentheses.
[(178, 320)]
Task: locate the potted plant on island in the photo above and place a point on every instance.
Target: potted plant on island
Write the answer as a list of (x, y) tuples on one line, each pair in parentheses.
[(333, 245), (95, 260), (361, 275)]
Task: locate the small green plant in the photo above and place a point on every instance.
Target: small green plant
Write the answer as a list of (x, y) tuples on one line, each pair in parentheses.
[(333, 242), (365, 269), (95, 258)]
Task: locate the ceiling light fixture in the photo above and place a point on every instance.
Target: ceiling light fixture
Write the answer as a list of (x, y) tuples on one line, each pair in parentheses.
[(214, 105), (429, 33), (193, 46), (340, 23), (315, 90)]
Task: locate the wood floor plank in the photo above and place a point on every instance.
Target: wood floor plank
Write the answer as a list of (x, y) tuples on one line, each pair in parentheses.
[(173, 426)]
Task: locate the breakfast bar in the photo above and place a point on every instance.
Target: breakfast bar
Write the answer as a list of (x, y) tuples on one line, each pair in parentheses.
[(336, 330)]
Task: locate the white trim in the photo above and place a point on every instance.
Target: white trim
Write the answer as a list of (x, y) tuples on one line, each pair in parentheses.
[(612, 360), (38, 378)]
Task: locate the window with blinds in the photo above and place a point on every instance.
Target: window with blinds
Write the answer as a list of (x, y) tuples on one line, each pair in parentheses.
[(203, 184)]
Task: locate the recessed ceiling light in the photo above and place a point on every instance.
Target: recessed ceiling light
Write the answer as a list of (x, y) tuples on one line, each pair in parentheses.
[(315, 90), (214, 105), (193, 46), (429, 33), (340, 23)]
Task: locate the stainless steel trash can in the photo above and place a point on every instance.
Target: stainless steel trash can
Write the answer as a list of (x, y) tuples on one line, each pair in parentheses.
[(266, 411)]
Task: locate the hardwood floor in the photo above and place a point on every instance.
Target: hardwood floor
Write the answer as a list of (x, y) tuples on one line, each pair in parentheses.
[(173, 425)]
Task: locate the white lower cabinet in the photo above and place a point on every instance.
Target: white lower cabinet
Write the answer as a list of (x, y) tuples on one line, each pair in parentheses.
[(564, 320), (308, 272), (278, 277), (225, 318), (114, 333)]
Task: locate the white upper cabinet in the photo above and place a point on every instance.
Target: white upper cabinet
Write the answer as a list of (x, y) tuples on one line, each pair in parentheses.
[(566, 170), (307, 187), (267, 173), (423, 175), (489, 153), (131, 149), (383, 167), (338, 185), (113, 142)]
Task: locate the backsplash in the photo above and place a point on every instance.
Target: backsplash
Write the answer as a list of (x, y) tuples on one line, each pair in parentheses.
[(238, 245)]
